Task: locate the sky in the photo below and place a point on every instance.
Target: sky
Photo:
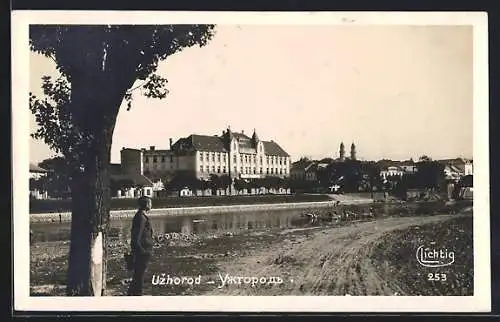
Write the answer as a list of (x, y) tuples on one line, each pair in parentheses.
[(395, 91)]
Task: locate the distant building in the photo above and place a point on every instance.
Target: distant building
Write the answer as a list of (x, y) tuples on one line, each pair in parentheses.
[(311, 172), (452, 172), (342, 152), (231, 153), (126, 179), (299, 168), (342, 156), (353, 151), (463, 166), (36, 173), (391, 171)]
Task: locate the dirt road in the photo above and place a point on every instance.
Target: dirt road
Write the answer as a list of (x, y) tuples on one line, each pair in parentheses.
[(331, 261)]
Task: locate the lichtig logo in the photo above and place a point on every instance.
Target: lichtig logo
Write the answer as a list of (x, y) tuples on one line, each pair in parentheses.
[(431, 257)]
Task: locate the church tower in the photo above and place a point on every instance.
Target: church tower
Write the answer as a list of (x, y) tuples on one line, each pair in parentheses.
[(353, 151), (342, 151)]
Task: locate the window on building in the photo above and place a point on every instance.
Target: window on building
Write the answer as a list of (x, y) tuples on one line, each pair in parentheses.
[(234, 158), (272, 170), (261, 160), (201, 168), (213, 156), (284, 171), (284, 161), (163, 159), (206, 156), (224, 158), (281, 172), (241, 169), (223, 169), (254, 171), (234, 169), (201, 156), (241, 158), (261, 171), (246, 158), (154, 160), (213, 168), (267, 170), (280, 162), (218, 157), (208, 168), (146, 159)]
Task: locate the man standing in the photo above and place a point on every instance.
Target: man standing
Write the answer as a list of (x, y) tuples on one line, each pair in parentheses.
[(141, 245)]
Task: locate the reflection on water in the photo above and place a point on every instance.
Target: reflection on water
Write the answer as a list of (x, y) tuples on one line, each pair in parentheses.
[(227, 222), (194, 224)]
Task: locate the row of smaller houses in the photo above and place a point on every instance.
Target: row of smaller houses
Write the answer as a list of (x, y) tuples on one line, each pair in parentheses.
[(124, 185), (454, 169)]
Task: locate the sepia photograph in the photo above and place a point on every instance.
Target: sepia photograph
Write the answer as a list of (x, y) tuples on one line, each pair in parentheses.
[(300, 157)]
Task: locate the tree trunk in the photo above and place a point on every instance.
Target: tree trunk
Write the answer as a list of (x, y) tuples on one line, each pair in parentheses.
[(89, 222), (91, 195)]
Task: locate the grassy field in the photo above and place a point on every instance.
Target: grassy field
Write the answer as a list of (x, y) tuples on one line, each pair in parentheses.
[(60, 205)]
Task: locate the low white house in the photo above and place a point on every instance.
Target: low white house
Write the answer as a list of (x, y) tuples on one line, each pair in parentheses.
[(131, 186), (36, 173), (391, 171), (185, 192)]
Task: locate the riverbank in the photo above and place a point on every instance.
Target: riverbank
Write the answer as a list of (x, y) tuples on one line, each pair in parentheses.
[(121, 214), (64, 205), (355, 258)]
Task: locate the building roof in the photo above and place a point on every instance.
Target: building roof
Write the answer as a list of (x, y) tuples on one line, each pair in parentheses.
[(156, 151), (240, 136), (216, 144), (200, 143), (456, 161), (129, 178), (327, 160), (454, 168), (35, 168), (396, 167), (273, 148), (300, 165), (312, 167)]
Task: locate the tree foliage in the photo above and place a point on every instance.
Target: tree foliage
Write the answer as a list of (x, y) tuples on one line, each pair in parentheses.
[(112, 58), (430, 174), (57, 181)]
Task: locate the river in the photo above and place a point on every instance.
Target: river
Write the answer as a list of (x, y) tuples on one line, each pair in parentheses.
[(216, 223), (185, 224)]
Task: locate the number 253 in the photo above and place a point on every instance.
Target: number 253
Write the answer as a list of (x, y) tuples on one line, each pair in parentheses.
[(436, 277)]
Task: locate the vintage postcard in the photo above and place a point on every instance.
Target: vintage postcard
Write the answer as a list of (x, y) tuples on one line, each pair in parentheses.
[(230, 161)]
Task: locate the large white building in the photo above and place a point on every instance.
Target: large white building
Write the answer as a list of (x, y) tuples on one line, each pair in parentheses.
[(231, 153)]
